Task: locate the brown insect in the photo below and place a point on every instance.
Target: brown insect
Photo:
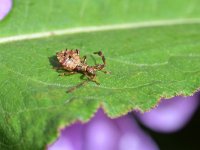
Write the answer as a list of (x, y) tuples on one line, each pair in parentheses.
[(72, 63)]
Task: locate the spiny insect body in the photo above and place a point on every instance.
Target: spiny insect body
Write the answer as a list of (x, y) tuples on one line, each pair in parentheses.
[(72, 63)]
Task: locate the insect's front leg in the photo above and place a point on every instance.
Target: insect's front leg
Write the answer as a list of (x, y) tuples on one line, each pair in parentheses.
[(84, 59), (67, 73), (102, 57)]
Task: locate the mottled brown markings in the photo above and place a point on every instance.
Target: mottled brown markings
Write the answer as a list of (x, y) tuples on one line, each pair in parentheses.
[(72, 63)]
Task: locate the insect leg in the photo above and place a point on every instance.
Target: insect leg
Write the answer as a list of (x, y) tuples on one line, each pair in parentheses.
[(92, 78), (100, 66), (77, 86), (77, 51), (67, 73), (84, 59), (102, 56)]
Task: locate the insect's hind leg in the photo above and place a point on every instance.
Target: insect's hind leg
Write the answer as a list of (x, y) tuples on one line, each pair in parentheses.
[(77, 86), (89, 78)]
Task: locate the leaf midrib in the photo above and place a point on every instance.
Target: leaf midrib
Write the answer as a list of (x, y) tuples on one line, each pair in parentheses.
[(145, 24)]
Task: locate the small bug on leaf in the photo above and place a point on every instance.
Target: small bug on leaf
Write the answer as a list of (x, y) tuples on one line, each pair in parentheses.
[(72, 63)]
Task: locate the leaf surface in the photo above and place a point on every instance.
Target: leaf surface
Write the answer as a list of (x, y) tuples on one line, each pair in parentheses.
[(146, 63), (30, 16)]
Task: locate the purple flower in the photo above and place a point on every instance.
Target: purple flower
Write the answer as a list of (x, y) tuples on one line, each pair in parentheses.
[(103, 133), (170, 115), (5, 7)]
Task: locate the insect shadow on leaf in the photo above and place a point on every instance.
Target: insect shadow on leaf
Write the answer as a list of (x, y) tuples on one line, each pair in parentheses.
[(68, 62)]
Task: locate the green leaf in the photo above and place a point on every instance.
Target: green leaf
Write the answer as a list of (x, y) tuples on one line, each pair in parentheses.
[(49, 15), (147, 62)]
